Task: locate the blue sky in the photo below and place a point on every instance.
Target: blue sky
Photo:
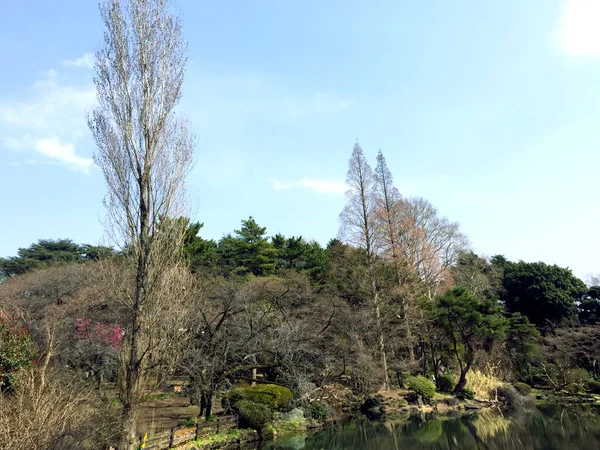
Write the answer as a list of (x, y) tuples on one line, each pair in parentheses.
[(488, 109)]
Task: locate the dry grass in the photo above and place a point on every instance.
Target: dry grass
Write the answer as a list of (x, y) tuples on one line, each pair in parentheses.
[(53, 412), (483, 385)]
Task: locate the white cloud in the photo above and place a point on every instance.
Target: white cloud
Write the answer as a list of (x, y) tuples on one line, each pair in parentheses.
[(65, 153), (578, 30), (49, 119), (85, 61), (320, 186)]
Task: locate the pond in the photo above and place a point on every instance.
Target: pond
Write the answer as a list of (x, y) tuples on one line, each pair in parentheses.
[(552, 427)]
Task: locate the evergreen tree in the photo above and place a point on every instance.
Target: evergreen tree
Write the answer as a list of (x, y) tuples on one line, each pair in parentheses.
[(248, 252), (469, 323)]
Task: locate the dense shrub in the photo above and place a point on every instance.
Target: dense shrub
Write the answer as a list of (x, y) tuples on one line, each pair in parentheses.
[(522, 388), (445, 383), (252, 415), (467, 394), (577, 375), (317, 411), (593, 386), (421, 385), (274, 396)]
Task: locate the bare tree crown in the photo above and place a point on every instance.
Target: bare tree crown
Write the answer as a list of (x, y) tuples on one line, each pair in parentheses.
[(143, 148)]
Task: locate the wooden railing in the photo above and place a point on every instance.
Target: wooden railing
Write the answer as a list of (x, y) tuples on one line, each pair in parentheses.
[(182, 435)]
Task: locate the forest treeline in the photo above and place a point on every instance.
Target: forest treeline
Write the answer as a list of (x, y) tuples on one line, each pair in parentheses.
[(398, 291)]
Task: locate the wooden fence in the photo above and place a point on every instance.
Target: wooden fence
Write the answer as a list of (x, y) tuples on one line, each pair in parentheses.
[(182, 435)]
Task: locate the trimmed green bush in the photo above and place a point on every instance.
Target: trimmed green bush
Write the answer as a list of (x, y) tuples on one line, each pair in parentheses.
[(274, 396), (252, 415), (445, 383), (522, 388), (593, 386), (421, 385)]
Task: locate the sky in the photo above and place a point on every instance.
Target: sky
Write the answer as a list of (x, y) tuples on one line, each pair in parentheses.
[(489, 110)]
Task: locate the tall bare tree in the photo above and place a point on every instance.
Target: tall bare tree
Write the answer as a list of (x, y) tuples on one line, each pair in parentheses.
[(359, 228), (145, 152), (391, 227)]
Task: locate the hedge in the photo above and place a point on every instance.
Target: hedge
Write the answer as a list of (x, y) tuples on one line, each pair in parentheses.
[(421, 385), (251, 414)]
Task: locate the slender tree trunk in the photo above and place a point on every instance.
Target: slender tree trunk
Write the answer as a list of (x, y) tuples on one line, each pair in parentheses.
[(208, 403), (386, 377), (464, 369), (462, 381), (408, 330)]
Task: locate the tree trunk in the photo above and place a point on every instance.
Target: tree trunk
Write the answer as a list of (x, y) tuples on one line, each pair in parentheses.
[(203, 404), (253, 382), (462, 381), (386, 378), (128, 424), (435, 363), (134, 371), (208, 403)]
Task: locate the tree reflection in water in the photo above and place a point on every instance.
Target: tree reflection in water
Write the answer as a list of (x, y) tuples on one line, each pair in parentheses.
[(549, 427)]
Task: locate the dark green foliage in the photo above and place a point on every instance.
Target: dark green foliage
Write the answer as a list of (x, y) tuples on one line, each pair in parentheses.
[(249, 252), (540, 291), (522, 344), (297, 254), (201, 253), (467, 394), (593, 386), (317, 411), (252, 415), (445, 383), (421, 385), (346, 274), (48, 252), (522, 388), (274, 396), (589, 308)]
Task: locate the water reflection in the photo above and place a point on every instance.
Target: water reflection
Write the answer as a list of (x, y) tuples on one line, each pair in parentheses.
[(553, 427)]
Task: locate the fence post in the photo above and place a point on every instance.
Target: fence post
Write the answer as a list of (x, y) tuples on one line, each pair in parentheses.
[(172, 438), (197, 431), (218, 424)]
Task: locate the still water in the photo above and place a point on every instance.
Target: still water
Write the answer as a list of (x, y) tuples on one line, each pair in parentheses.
[(551, 427)]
